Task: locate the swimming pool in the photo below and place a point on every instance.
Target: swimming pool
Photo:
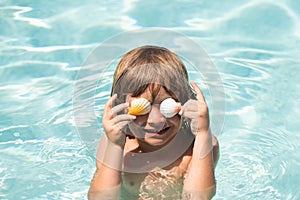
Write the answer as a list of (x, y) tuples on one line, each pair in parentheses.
[(254, 45)]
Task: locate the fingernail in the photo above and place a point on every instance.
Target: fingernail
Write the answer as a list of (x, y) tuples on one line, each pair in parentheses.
[(180, 112)]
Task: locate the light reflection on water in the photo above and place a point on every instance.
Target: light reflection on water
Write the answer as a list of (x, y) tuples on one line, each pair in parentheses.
[(254, 45)]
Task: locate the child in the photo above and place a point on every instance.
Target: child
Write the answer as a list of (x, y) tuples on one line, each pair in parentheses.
[(153, 155)]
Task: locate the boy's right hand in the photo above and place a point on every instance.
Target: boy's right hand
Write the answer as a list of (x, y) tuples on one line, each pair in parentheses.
[(113, 124)]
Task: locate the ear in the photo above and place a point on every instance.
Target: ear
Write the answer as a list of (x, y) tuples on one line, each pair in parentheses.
[(128, 98)]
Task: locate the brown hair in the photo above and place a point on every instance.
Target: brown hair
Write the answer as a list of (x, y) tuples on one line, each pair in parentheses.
[(151, 67)]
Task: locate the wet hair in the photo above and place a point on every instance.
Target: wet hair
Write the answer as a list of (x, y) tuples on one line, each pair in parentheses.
[(153, 68)]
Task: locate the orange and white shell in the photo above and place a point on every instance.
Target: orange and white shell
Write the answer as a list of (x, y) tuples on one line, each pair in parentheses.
[(169, 107), (139, 106)]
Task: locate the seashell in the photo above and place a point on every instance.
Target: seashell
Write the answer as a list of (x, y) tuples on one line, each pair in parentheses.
[(169, 107), (140, 106)]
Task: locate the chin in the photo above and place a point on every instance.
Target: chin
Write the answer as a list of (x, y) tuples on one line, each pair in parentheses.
[(154, 142)]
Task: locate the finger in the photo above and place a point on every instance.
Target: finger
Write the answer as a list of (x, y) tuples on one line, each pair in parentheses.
[(124, 117), (119, 108), (190, 105), (200, 96), (109, 104), (122, 124), (191, 115), (181, 112)]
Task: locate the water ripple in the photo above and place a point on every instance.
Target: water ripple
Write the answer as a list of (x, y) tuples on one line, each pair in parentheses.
[(254, 44), (18, 15), (262, 160), (60, 166), (242, 19)]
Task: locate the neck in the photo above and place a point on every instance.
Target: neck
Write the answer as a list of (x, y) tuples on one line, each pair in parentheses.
[(145, 147)]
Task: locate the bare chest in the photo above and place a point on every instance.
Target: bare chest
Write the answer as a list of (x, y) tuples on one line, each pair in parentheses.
[(159, 182)]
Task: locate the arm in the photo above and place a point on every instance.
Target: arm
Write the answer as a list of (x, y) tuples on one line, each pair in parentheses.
[(200, 181), (106, 183)]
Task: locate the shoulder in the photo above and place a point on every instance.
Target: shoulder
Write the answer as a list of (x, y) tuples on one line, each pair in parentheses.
[(216, 150)]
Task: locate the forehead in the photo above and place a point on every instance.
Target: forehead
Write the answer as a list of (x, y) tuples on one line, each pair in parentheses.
[(155, 95)]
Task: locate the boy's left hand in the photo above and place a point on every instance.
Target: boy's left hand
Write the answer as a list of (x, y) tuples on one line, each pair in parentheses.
[(197, 112)]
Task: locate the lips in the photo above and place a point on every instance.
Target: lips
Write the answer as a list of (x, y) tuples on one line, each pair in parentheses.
[(157, 132)]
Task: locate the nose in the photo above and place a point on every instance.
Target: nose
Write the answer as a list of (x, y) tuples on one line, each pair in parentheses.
[(155, 118)]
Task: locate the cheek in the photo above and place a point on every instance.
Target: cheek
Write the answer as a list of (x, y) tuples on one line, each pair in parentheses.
[(176, 120), (140, 120)]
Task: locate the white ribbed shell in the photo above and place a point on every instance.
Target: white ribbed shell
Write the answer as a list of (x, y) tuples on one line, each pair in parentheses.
[(140, 106), (169, 107)]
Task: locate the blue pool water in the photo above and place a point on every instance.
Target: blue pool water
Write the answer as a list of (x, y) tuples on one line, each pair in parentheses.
[(254, 45)]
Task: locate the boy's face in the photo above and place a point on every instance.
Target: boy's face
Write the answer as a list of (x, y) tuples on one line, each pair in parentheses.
[(153, 128)]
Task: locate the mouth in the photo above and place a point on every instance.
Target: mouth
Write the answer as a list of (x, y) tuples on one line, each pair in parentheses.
[(156, 131)]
